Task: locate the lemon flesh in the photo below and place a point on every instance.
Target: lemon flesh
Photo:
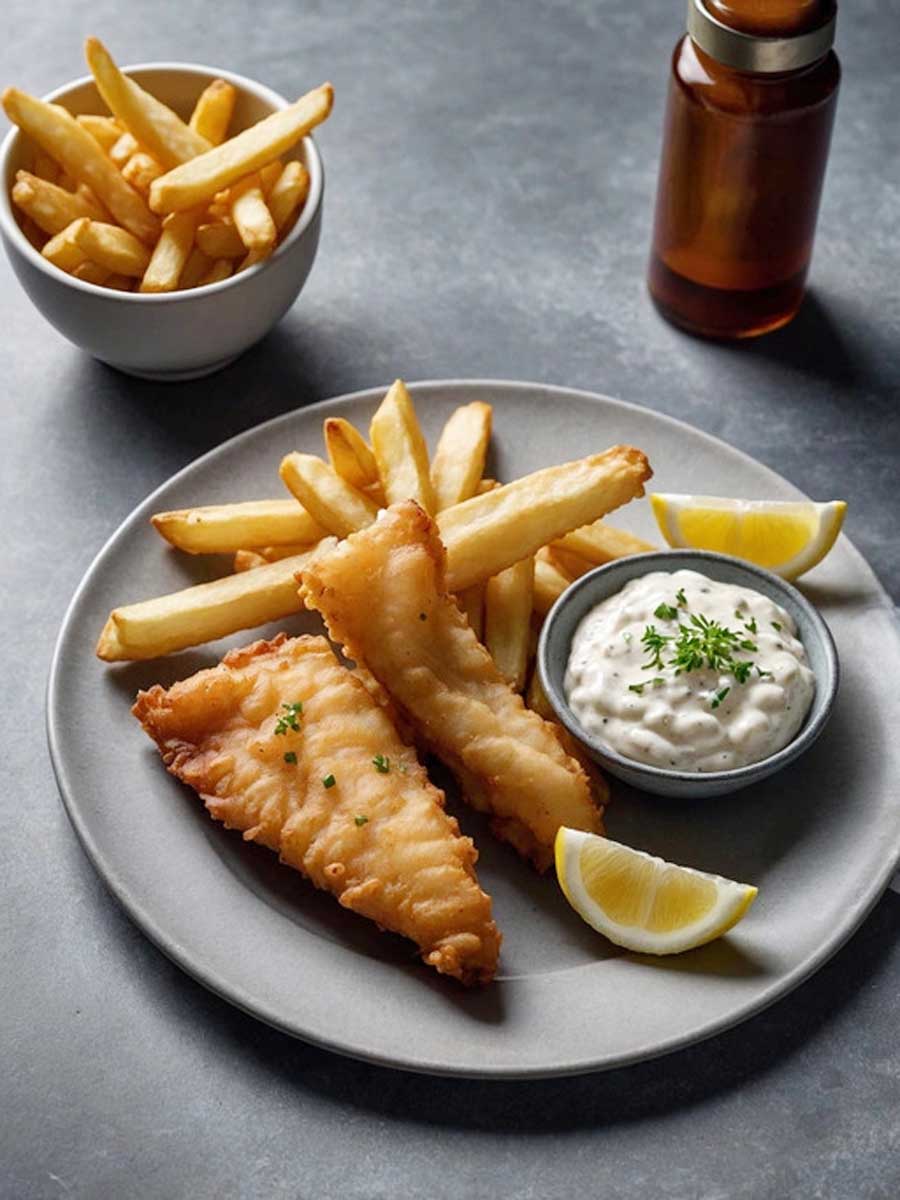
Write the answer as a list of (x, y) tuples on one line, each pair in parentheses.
[(641, 902), (787, 537)]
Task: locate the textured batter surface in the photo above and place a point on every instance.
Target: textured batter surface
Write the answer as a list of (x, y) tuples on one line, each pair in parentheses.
[(378, 839), (382, 595)]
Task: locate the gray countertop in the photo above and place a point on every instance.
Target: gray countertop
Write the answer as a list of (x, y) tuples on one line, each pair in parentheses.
[(490, 177)]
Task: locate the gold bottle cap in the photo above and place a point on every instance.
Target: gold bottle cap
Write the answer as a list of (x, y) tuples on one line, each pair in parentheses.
[(750, 52)]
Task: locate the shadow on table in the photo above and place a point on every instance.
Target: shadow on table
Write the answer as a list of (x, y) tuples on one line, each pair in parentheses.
[(675, 1081)]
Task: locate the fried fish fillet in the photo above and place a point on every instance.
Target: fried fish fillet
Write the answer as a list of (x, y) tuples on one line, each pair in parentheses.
[(287, 745), (382, 594)]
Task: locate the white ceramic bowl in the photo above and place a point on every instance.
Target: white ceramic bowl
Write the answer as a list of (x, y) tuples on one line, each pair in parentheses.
[(177, 335)]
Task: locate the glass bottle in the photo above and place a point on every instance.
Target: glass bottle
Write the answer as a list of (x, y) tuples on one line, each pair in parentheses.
[(748, 125)]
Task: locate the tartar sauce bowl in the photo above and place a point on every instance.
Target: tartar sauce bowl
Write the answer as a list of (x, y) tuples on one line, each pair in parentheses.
[(592, 589), (172, 335)]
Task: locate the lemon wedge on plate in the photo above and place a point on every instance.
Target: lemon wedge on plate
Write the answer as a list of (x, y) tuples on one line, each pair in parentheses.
[(641, 902), (788, 537)]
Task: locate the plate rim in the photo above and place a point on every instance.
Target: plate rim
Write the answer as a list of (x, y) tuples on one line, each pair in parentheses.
[(866, 900)]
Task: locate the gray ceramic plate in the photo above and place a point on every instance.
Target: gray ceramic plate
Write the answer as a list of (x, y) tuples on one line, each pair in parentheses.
[(820, 839)]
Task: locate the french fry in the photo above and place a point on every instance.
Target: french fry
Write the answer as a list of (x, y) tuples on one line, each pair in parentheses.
[(251, 217), (489, 533), (171, 252), (600, 543), (87, 197), (471, 601), (486, 485), (549, 584), (106, 131), (221, 269), (458, 462), (111, 247), (400, 451), (288, 193), (66, 182), (123, 147), (257, 255), (63, 249), (227, 528), (339, 508), (73, 147), (349, 453), (91, 272), (536, 698), (200, 179), (140, 170), (212, 112), (120, 283), (34, 233), (220, 241), (49, 206), (258, 557), (204, 612), (156, 127), (269, 176), (45, 167), (508, 601), (195, 269)]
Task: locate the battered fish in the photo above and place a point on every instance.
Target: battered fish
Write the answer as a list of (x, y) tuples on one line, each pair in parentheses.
[(287, 745), (381, 592)]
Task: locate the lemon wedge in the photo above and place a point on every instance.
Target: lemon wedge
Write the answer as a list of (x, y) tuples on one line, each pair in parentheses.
[(641, 902), (787, 537)]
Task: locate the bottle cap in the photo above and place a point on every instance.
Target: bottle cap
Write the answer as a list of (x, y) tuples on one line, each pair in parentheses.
[(750, 52)]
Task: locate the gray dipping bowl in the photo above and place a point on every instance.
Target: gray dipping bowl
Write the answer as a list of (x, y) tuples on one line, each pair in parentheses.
[(588, 591)]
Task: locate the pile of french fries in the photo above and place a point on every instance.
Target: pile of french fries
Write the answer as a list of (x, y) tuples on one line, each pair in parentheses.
[(140, 200), (511, 550)]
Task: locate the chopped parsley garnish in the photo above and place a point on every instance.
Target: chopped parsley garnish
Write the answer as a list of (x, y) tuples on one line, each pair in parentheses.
[(776, 627), (657, 681), (289, 719), (681, 598), (329, 781), (654, 643), (741, 671), (382, 764), (291, 757), (665, 612), (637, 687), (720, 696), (360, 821), (751, 625), (764, 674)]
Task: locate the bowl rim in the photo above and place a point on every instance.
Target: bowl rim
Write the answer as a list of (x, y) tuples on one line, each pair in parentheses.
[(829, 679), (12, 231)]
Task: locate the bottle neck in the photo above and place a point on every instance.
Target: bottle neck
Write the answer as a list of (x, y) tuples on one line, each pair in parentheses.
[(731, 44)]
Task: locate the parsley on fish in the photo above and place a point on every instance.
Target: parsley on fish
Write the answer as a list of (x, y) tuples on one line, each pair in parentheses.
[(290, 719), (381, 763)]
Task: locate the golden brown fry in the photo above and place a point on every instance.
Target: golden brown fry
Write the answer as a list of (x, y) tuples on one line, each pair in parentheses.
[(195, 269), (63, 249), (140, 170), (156, 127), (246, 560), (349, 453), (258, 557), (253, 257), (205, 612), (536, 698), (400, 451), (458, 462), (111, 247), (251, 218), (330, 500), (123, 148), (49, 206), (289, 193), (226, 528), (269, 175), (549, 583), (36, 236), (488, 533), (200, 179), (171, 252), (106, 131), (507, 620), (220, 241), (221, 269), (212, 112), (600, 543), (75, 149), (91, 272), (45, 167), (98, 211)]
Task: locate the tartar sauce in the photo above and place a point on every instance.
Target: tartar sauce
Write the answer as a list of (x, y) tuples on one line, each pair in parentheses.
[(634, 679)]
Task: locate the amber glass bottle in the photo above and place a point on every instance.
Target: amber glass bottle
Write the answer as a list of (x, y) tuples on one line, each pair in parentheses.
[(748, 125)]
